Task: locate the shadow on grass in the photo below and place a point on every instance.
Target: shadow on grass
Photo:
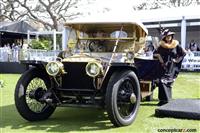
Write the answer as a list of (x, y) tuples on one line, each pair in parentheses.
[(148, 104), (153, 102), (63, 120)]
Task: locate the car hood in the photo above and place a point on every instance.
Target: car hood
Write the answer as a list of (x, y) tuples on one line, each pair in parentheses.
[(84, 58)]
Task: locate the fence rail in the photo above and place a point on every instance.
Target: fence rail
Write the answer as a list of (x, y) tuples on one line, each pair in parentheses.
[(191, 61), (15, 55)]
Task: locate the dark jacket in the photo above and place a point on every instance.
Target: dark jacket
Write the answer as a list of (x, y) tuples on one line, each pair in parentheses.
[(172, 57)]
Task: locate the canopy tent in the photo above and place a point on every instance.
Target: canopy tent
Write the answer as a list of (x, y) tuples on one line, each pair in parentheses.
[(14, 35), (17, 27), (12, 31)]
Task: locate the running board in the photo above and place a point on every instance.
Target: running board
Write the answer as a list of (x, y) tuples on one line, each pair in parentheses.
[(86, 90), (80, 105)]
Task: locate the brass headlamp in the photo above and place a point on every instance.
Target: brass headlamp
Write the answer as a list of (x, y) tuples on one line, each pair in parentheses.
[(93, 69), (54, 68)]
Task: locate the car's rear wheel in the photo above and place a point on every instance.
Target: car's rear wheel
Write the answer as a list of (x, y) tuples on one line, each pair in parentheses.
[(31, 86), (122, 98)]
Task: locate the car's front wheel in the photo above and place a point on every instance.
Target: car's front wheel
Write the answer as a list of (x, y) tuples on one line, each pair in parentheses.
[(31, 86), (122, 98)]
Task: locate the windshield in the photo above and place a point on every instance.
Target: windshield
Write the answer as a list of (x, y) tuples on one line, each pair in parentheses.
[(99, 41)]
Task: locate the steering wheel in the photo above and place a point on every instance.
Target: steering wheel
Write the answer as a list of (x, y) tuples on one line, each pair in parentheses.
[(97, 46), (93, 46)]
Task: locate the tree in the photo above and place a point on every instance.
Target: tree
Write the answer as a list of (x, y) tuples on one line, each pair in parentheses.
[(9, 11), (155, 4), (51, 12)]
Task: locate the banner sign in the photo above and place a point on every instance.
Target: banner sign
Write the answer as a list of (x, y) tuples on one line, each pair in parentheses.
[(191, 62)]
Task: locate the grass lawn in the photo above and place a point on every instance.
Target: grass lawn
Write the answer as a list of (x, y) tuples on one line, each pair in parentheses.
[(78, 120)]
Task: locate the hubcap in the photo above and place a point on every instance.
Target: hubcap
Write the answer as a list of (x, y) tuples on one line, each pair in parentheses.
[(35, 90), (37, 93), (133, 98)]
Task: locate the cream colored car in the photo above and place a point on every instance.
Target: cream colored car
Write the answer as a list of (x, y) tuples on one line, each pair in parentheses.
[(97, 69)]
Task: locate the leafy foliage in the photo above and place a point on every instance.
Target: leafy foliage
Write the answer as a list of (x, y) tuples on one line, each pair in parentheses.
[(41, 44)]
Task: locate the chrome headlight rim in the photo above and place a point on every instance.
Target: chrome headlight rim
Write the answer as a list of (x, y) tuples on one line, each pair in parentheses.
[(58, 65), (98, 70)]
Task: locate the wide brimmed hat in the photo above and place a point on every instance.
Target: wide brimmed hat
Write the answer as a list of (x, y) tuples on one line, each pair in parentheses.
[(166, 32)]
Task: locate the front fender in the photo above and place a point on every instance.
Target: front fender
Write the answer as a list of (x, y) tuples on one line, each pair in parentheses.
[(117, 67), (33, 63)]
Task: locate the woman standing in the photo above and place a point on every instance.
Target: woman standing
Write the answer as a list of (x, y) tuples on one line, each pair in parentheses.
[(172, 54)]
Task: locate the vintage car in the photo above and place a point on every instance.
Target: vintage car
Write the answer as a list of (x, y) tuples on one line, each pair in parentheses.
[(104, 66)]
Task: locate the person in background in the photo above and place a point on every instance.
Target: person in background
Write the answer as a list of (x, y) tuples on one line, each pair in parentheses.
[(172, 55), (198, 49), (193, 46)]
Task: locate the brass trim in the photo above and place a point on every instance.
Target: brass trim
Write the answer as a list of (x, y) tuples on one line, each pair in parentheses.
[(79, 58)]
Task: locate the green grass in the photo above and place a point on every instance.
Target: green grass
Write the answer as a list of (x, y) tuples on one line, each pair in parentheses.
[(78, 120)]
